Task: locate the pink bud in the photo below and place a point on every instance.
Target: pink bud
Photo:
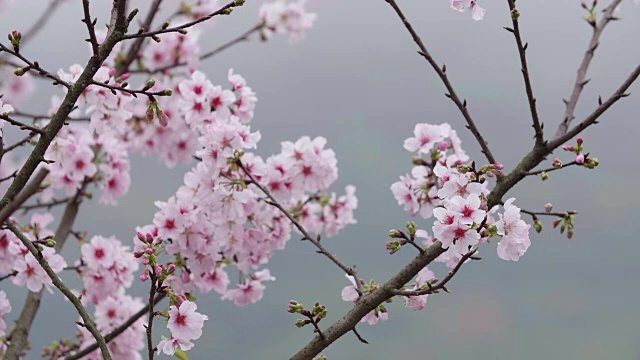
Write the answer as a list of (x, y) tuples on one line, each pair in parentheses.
[(149, 250), (159, 240), (580, 140), (443, 146), (112, 71), (172, 268), (123, 77), (158, 269), (141, 237), (149, 238), (145, 275), (138, 254), (490, 174), (184, 277), (567, 148), (145, 261), (580, 159)]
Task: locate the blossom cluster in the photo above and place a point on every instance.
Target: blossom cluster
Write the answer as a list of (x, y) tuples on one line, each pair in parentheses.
[(16, 258), (218, 217), (283, 17)]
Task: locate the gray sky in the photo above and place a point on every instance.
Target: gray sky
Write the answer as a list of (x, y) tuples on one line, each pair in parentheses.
[(358, 81)]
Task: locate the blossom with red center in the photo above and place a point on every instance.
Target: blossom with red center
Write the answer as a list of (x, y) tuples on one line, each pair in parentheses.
[(184, 322)]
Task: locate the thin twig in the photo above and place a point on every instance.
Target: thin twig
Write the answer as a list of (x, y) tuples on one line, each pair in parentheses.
[(87, 321), (152, 293), (221, 11), (90, 27), (582, 70), (522, 48), (593, 117), (35, 66), (537, 172), (462, 106), (442, 284), (315, 241), (21, 125)]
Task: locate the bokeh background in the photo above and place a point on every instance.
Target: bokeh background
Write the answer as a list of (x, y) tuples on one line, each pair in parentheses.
[(357, 80)]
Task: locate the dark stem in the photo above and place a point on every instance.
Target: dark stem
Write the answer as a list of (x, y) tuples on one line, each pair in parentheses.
[(525, 72)]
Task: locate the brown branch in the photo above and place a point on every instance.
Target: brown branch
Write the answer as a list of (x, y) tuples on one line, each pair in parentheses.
[(225, 10), (593, 117), (117, 331), (28, 191), (134, 93), (522, 48), (368, 303), (152, 293), (581, 80), (48, 205), (462, 106), (117, 28), (315, 241), (35, 66), (11, 274), (90, 27), (21, 125), (538, 172), (87, 321), (20, 333)]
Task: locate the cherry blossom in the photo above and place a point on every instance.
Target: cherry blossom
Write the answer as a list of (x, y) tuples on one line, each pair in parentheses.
[(515, 233), (5, 308), (283, 17), (184, 322)]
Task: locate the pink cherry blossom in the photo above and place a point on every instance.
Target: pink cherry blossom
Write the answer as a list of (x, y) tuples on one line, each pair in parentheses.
[(5, 308), (515, 233), (184, 322)]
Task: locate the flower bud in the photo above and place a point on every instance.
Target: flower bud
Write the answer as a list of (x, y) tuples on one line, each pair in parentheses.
[(301, 322), (172, 268), (50, 243), (544, 176), (141, 237), (548, 207), (411, 228), (393, 246), (538, 226), (580, 140), (591, 163), (580, 159), (396, 234)]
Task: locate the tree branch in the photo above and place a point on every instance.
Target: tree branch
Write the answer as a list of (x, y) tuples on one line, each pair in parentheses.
[(582, 70), (315, 241), (593, 117), (132, 54), (117, 331), (525, 71), (222, 11), (87, 321), (462, 106), (90, 27), (20, 333)]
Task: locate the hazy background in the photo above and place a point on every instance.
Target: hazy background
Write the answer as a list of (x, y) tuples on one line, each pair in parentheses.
[(358, 81)]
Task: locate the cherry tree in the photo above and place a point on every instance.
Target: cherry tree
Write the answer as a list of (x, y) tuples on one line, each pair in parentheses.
[(141, 90)]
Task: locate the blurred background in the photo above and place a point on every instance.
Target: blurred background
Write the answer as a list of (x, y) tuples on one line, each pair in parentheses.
[(357, 80)]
